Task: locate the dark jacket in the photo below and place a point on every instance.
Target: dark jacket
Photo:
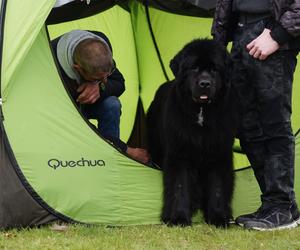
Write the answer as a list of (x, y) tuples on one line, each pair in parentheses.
[(115, 85), (285, 28)]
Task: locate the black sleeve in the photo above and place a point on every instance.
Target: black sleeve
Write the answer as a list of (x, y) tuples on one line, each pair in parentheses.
[(115, 85), (290, 18), (279, 34)]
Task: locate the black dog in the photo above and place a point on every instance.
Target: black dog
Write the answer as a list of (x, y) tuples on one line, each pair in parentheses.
[(191, 127)]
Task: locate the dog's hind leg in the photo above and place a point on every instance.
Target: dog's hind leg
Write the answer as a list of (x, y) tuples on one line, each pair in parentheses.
[(177, 201)]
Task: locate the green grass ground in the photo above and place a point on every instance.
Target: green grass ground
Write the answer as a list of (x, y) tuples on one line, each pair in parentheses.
[(199, 236)]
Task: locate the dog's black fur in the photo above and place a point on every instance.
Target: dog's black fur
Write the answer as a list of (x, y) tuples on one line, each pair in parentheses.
[(194, 151)]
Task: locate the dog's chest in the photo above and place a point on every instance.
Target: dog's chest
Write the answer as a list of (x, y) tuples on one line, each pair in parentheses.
[(200, 117), (206, 131)]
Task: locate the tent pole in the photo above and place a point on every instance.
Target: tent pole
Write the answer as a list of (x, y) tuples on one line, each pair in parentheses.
[(154, 40), (2, 19)]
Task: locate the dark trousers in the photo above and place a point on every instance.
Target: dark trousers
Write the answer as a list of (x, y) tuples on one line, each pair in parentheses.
[(107, 112), (264, 91)]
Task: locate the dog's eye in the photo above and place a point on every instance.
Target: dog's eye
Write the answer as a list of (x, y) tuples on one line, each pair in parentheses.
[(213, 71), (195, 70)]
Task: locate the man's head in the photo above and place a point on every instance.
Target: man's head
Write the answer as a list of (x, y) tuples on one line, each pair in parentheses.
[(93, 60)]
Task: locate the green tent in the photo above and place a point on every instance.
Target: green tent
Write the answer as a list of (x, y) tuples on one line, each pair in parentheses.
[(53, 164)]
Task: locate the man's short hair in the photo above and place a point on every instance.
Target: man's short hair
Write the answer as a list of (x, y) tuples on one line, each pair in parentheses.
[(93, 56)]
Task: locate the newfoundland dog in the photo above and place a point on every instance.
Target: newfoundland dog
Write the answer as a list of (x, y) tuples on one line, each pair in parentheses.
[(191, 127)]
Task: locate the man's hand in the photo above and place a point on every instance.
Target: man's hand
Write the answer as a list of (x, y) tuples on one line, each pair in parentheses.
[(89, 93), (138, 154), (263, 45)]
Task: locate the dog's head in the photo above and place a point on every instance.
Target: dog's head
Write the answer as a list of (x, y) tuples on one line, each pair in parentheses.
[(200, 70)]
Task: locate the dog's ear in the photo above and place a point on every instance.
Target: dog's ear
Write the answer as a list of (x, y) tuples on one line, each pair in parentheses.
[(176, 63)]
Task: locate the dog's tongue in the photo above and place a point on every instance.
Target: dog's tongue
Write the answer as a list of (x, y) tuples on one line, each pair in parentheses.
[(203, 97)]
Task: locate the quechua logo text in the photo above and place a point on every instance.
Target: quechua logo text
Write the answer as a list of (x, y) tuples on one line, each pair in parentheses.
[(58, 163)]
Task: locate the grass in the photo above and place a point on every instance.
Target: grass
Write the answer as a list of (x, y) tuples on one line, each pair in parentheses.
[(200, 236)]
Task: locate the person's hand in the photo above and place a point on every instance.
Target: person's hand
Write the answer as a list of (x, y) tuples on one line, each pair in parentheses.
[(139, 154), (263, 46), (89, 93)]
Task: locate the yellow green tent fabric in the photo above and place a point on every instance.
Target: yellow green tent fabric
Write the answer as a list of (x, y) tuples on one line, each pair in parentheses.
[(61, 161)]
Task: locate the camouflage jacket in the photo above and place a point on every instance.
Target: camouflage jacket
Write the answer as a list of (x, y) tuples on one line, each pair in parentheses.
[(285, 30)]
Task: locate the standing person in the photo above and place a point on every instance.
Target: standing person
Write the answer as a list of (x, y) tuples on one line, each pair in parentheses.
[(266, 41), (89, 72)]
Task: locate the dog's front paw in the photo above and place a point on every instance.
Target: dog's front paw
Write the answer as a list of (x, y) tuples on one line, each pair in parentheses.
[(218, 219), (178, 219)]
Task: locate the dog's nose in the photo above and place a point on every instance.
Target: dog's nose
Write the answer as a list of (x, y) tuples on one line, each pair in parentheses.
[(204, 84)]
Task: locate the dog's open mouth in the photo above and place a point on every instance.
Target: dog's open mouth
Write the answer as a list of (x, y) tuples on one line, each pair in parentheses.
[(203, 98)]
